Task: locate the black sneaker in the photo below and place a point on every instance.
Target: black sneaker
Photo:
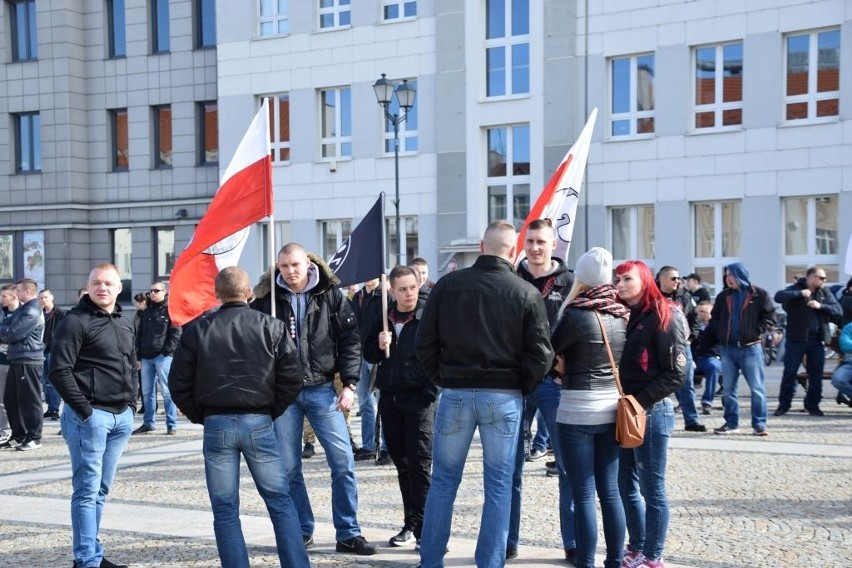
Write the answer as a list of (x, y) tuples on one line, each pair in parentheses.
[(356, 545), (171, 431), (308, 452), (780, 411), (511, 553), (761, 432), (384, 458), (364, 454), (726, 430), (10, 444), (695, 427), (404, 538), (706, 409), (308, 540), (814, 411), (144, 429), (107, 564), (29, 445)]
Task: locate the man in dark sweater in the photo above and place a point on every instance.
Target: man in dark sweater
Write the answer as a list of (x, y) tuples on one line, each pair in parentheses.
[(52, 316)]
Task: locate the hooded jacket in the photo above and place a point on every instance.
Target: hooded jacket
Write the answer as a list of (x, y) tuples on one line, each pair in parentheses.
[(553, 287), (155, 334), (24, 332), (756, 313), (798, 312), (328, 340), (51, 320), (92, 358)]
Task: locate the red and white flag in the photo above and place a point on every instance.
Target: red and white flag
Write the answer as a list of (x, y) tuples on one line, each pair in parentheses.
[(243, 198), (558, 201)]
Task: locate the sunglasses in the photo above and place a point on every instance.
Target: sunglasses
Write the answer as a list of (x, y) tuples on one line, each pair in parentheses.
[(820, 277), (675, 278), (156, 290)]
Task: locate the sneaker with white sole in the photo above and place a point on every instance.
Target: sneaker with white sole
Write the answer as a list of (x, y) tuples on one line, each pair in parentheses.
[(725, 429), (403, 538), (29, 445), (761, 432), (536, 455)]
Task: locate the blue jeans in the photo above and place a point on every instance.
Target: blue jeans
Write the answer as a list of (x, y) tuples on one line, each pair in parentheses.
[(542, 432), (95, 446), (51, 397), (711, 367), (226, 438), (460, 412), (593, 469), (814, 348), (546, 399), (319, 405), (155, 372), (642, 483), (749, 360), (367, 405), (842, 379), (686, 393)]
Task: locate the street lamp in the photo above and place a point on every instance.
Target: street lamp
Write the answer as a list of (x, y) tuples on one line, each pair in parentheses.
[(405, 94)]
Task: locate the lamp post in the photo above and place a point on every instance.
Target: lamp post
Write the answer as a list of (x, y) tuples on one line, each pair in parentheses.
[(405, 94)]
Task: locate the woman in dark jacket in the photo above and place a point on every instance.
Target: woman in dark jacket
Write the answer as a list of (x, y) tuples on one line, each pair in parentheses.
[(653, 366), (586, 414)]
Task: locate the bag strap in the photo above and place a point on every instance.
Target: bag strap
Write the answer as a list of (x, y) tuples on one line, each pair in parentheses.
[(609, 352)]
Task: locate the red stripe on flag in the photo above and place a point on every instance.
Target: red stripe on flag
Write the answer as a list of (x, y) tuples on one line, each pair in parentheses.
[(543, 200)]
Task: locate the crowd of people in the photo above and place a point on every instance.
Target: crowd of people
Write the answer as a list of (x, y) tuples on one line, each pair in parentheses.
[(545, 341)]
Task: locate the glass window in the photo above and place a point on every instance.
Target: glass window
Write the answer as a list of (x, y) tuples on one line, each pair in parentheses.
[(208, 132), (163, 136), (120, 139), (507, 48), (205, 23), (508, 173), (334, 14), (121, 244), (632, 233), (632, 95), (8, 270), (160, 26), (164, 251), (116, 28), (279, 126), (717, 238), (407, 128), (410, 241), (718, 86), (812, 82), (23, 27), (399, 9), (333, 234), (28, 142), (274, 18), (336, 123), (810, 235)]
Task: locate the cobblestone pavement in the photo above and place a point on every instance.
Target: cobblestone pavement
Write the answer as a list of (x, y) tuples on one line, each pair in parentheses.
[(737, 501)]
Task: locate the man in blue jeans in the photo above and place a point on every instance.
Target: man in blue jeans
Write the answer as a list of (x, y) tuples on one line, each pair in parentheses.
[(236, 371), (320, 323), (92, 362), (489, 347), (52, 316)]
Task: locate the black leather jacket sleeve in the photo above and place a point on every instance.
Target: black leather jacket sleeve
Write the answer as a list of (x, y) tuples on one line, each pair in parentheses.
[(348, 342), (182, 379), (288, 374)]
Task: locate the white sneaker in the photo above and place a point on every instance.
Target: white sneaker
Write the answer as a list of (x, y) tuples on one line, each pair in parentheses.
[(28, 445)]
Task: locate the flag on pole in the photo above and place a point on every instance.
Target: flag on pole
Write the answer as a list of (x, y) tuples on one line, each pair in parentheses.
[(361, 256), (243, 198), (558, 201)]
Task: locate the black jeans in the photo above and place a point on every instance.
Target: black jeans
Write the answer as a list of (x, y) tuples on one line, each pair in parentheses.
[(407, 421), (23, 401)]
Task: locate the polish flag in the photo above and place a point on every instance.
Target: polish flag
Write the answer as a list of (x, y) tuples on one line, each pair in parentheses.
[(558, 201), (243, 198)]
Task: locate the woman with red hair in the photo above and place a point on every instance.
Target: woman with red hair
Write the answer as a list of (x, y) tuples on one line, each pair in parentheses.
[(652, 367)]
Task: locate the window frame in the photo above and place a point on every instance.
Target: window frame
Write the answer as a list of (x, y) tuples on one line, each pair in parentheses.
[(400, 7), (26, 10), (25, 123), (832, 263), (718, 260), (812, 97), (633, 233), (201, 110), (719, 106), (275, 19), (341, 233), (126, 295), (509, 180), (507, 42), (116, 142), (160, 44), (204, 10), (337, 9), (279, 148), (163, 271), (410, 225), (338, 141), (157, 138), (633, 115), (116, 20)]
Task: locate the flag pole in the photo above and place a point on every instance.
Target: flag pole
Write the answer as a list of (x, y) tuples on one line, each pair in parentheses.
[(384, 277), (271, 249)]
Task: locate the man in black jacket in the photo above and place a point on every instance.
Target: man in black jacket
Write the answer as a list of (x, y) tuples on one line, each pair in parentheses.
[(52, 316), (92, 360), (810, 308), (484, 338), (321, 324), (156, 341), (235, 372)]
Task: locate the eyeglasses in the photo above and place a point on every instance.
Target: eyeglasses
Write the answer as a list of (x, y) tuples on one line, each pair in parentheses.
[(820, 277), (156, 290)]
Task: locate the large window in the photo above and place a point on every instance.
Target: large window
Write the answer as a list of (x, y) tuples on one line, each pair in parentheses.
[(632, 95), (208, 133), (632, 233), (205, 23), (717, 236), (398, 9), (121, 245), (410, 240), (507, 48), (812, 82), (334, 232), (23, 27), (810, 235), (508, 173), (164, 251), (116, 28), (718, 86), (120, 139), (336, 123), (279, 127), (407, 128), (27, 142), (334, 14), (162, 136), (160, 26), (274, 18)]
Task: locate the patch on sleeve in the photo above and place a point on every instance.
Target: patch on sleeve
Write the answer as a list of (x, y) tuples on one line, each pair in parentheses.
[(681, 359)]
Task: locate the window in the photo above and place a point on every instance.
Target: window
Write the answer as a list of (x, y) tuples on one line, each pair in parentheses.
[(23, 26), (812, 87), (507, 47), (279, 127), (116, 29), (28, 142), (717, 235), (160, 26), (334, 14), (333, 234), (508, 173), (407, 128), (398, 9), (336, 123), (164, 251), (410, 234), (632, 95), (208, 133), (718, 86), (274, 18), (163, 136), (120, 140), (121, 246), (205, 23), (632, 233), (810, 235)]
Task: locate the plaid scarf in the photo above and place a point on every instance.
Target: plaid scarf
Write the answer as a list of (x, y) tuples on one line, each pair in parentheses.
[(601, 298)]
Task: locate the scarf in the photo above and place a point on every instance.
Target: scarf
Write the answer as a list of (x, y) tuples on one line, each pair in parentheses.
[(602, 298)]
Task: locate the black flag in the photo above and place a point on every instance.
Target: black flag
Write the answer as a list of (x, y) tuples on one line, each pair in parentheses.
[(361, 256)]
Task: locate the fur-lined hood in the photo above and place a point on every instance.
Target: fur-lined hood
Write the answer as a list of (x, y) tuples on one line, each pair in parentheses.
[(326, 278)]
